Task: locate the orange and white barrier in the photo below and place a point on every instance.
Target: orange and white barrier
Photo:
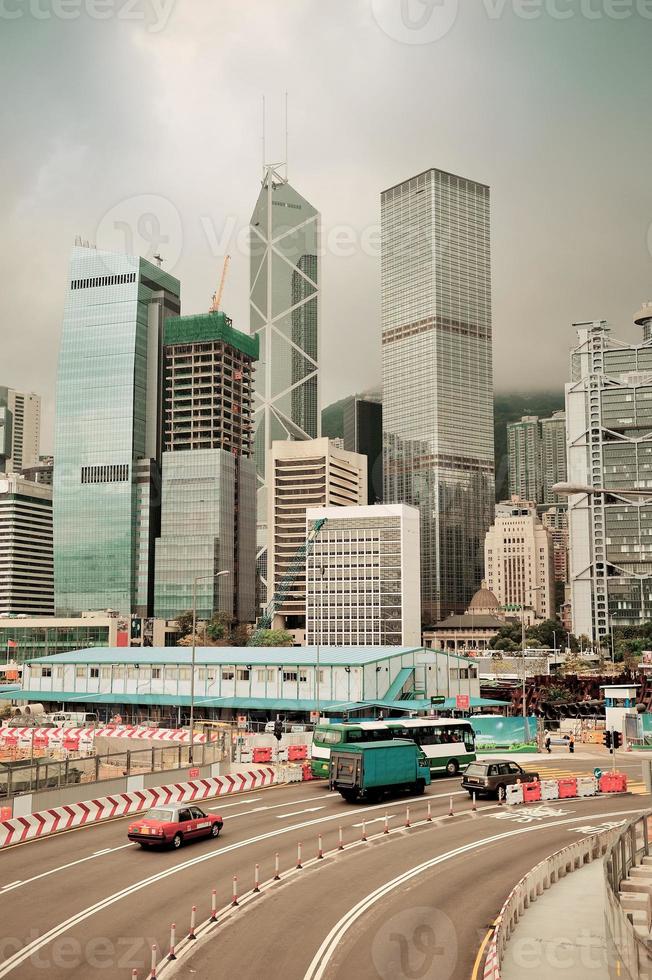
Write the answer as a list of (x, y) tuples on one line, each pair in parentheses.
[(70, 737), (19, 829)]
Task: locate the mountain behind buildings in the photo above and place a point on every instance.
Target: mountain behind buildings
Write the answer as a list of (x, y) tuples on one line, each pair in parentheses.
[(508, 407)]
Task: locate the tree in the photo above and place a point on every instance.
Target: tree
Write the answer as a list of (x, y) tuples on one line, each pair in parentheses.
[(184, 622), (272, 638)]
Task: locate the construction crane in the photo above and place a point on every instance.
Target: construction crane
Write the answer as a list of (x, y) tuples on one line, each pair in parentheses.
[(296, 565), (217, 295)]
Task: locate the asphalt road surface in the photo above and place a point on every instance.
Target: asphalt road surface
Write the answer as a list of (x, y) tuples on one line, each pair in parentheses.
[(88, 903)]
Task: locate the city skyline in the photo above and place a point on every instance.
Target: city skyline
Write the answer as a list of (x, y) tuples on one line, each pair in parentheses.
[(537, 155)]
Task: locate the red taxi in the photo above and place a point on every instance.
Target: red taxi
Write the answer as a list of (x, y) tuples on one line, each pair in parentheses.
[(174, 824)]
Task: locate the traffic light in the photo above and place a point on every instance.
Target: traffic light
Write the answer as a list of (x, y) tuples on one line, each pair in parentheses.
[(278, 729), (606, 740), (617, 740)]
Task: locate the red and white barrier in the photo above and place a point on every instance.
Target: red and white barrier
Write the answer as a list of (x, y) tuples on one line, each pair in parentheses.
[(85, 737), (45, 822), (566, 788)]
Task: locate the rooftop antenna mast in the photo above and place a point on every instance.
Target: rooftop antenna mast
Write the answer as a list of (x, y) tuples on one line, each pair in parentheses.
[(286, 135), (263, 139)]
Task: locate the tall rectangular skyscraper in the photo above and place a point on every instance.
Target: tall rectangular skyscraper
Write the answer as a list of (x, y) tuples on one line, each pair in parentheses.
[(284, 309), (437, 376), (208, 508), (20, 429), (108, 432)]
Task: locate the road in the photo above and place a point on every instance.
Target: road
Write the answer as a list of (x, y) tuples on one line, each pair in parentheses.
[(88, 903)]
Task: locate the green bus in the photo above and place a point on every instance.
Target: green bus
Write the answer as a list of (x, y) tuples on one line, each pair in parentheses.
[(448, 743)]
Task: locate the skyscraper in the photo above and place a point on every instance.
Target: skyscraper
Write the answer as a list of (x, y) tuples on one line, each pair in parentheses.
[(362, 577), (309, 473), (363, 433), (108, 432), (26, 586), (524, 459), (553, 455), (208, 490), (609, 437), (20, 429), (284, 310), (437, 376)]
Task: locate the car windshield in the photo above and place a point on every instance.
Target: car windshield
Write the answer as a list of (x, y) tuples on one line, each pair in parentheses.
[(474, 769), (159, 813)]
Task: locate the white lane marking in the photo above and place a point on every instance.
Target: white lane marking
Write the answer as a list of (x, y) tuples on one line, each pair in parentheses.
[(296, 813), (27, 951), (368, 823), (227, 806), (63, 867), (324, 954), (11, 884), (273, 806)]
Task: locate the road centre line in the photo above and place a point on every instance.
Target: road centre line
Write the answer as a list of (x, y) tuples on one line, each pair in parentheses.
[(62, 867), (37, 944), (271, 806), (334, 938), (296, 813)]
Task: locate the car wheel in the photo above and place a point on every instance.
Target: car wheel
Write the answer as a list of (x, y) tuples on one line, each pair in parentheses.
[(500, 792), (215, 830), (452, 767), (177, 841)]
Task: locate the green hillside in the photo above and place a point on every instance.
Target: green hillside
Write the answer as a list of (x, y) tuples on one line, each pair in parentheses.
[(507, 408)]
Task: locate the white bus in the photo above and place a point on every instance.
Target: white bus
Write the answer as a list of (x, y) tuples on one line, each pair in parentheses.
[(448, 743)]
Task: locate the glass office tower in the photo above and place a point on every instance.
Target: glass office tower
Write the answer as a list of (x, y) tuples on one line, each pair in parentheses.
[(284, 310), (108, 432), (437, 376)]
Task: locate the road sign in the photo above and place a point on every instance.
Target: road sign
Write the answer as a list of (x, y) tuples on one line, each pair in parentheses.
[(597, 772), (242, 721), (462, 702), (314, 717), (193, 774)]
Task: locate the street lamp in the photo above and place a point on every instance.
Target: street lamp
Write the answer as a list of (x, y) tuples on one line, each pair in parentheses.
[(197, 578), (568, 489)]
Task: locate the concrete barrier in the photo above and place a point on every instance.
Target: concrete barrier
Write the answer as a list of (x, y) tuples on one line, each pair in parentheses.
[(533, 884), (56, 819)]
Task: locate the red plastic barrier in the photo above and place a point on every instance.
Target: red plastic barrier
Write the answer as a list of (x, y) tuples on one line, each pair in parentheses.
[(6, 813), (613, 782), (262, 755), (567, 788), (307, 771), (531, 792), (297, 752)]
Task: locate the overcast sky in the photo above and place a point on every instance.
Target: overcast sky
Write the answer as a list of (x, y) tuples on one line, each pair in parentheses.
[(141, 130)]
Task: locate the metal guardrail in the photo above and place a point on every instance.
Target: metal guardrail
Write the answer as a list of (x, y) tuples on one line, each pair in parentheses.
[(30, 775), (627, 851)]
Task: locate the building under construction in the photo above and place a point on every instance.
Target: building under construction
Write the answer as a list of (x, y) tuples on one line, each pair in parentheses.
[(208, 493)]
